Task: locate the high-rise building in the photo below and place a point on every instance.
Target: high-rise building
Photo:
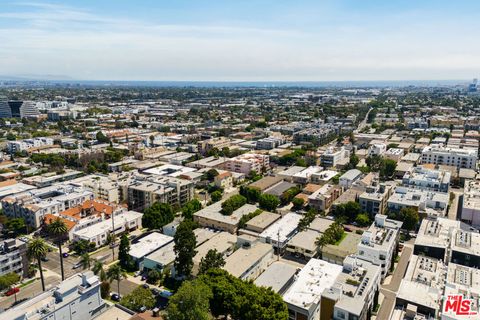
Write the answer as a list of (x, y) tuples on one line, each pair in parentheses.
[(5, 111), (28, 109), (15, 108)]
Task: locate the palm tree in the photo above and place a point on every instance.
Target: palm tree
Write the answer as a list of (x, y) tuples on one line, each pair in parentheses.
[(37, 249), (320, 242), (116, 272), (111, 239), (97, 267), (58, 229), (86, 260)]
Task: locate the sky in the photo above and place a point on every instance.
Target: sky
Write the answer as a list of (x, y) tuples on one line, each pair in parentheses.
[(241, 40)]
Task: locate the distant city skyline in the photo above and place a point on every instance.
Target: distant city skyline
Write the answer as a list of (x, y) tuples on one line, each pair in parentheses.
[(263, 40)]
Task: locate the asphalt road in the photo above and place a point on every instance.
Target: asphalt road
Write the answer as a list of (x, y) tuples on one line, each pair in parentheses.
[(29, 291), (53, 264)]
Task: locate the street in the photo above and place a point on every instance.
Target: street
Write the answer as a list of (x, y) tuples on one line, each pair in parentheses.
[(29, 291), (53, 264)]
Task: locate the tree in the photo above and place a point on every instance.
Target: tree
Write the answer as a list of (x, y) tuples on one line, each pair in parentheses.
[(362, 219), (354, 160), (232, 204), (190, 302), (211, 174), (57, 229), (86, 261), (298, 203), (410, 218), (307, 219), (126, 261), (16, 226), (98, 268), (11, 137), (268, 202), (138, 298), (37, 249), (388, 168), (104, 289), (213, 259), (190, 208), (216, 196), (9, 279), (153, 276), (158, 215), (288, 195), (252, 194), (184, 247), (102, 138), (116, 273), (82, 246)]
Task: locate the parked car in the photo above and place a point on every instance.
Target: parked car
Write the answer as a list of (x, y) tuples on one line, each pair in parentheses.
[(155, 291), (146, 286), (166, 294), (65, 255), (115, 296), (44, 259), (137, 273), (77, 265), (12, 291), (144, 277)]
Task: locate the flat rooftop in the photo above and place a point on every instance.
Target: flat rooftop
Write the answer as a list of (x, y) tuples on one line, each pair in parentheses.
[(148, 244), (283, 228), (277, 276), (316, 276)]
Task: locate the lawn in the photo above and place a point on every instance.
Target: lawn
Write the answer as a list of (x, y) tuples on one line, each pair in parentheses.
[(344, 235)]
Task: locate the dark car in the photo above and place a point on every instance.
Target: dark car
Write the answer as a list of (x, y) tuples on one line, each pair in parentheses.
[(115, 297), (155, 291), (144, 277), (44, 259), (12, 291), (65, 255), (146, 286)]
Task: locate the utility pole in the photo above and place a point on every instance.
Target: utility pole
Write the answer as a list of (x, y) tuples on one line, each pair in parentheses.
[(278, 245)]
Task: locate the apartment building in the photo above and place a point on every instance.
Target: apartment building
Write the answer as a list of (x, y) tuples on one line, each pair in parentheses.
[(75, 298), (34, 204), (427, 179), (13, 257), (433, 204), (374, 199), (247, 162), (324, 197), (117, 224), (460, 158), (27, 144), (334, 156), (102, 187), (470, 213), (205, 146), (142, 191), (379, 242), (377, 149)]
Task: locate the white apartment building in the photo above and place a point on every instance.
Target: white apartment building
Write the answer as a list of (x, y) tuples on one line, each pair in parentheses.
[(332, 157), (427, 179), (34, 204), (460, 158), (394, 154), (471, 203), (13, 257), (120, 223), (377, 149), (429, 202), (247, 162), (75, 298), (379, 242), (27, 144)]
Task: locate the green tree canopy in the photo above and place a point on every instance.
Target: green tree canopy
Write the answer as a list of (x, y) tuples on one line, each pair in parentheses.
[(216, 196), (126, 261), (138, 298), (190, 302), (213, 259), (185, 243), (268, 202), (232, 204), (190, 208), (158, 215)]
